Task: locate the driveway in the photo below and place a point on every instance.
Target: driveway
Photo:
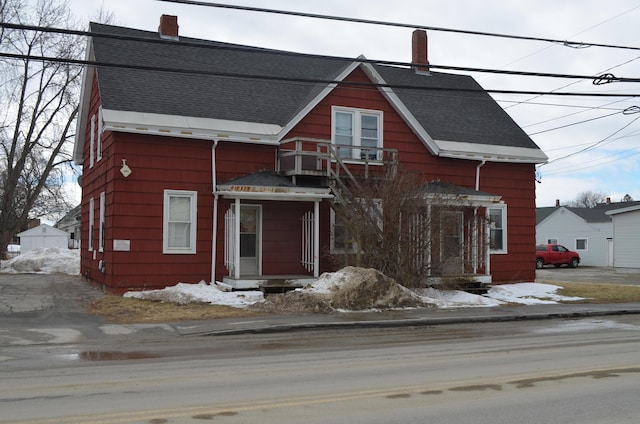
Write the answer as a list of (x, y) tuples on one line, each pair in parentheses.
[(586, 274)]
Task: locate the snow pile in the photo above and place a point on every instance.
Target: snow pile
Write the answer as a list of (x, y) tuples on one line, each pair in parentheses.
[(185, 293), (52, 260), (355, 289), (350, 289)]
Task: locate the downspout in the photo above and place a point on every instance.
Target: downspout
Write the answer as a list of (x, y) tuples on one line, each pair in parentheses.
[(214, 235), (478, 174), (475, 223)]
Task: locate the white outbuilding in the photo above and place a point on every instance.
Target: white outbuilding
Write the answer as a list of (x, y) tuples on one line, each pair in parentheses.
[(626, 233), (42, 236)]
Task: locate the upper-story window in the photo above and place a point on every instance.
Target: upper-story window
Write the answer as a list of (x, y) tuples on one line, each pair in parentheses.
[(92, 141), (99, 135), (357, 133)]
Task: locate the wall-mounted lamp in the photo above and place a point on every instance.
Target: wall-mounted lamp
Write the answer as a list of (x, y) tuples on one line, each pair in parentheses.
[(125, 170)]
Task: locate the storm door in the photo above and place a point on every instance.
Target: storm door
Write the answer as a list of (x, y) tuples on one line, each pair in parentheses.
[(250, 235), (451, 242)]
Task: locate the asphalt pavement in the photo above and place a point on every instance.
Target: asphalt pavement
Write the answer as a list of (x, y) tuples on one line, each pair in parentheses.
[(44, 309)]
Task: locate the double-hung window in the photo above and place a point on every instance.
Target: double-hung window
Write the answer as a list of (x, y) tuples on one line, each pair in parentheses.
[(92, 141), (99, 135), (498, 228), (91, 223), (357, 133), (102, 223), (180, 212)]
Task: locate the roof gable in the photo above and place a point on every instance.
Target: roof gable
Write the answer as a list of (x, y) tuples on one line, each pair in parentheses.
[(259, 94), (43, 230)]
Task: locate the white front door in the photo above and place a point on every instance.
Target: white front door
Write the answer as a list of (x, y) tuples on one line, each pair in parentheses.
[(250, 240)]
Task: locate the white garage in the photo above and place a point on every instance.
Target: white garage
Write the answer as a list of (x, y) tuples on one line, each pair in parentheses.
[(42, 236), (626, 233)]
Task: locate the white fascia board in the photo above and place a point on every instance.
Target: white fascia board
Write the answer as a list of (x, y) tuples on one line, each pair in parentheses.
[(402, 110), (189, 127), (317, 99), (465, 199), (264, 193), (491, 153), (623, 210), (83, 109)]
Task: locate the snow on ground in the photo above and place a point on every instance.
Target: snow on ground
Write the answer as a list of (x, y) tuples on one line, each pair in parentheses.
[(184, 293), (55, 260), (52, 260)]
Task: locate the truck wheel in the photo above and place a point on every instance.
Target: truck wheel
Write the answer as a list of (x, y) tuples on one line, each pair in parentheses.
[(539, 263), (574, 263)]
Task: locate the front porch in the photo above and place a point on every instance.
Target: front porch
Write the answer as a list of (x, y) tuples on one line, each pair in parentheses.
[(267, 283)]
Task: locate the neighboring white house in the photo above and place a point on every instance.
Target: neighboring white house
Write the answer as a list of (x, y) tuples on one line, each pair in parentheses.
[(70, 223), (588, 231), (626, 231), (42, 236)]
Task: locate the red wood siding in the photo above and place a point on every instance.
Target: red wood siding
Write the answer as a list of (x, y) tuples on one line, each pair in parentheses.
[(134, 205), (514, 182)]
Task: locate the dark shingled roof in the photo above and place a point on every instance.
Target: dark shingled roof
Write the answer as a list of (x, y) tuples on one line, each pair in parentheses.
[(596, 214), (441, 187), (462, 116)]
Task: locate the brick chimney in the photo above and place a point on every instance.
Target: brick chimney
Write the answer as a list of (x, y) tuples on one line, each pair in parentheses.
[(168, 27), (419, 50)]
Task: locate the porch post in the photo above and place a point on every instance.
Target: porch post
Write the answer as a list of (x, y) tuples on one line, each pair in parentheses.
[(236, 245), (487, 243), (316, 238), (430, 242), (475, 240)]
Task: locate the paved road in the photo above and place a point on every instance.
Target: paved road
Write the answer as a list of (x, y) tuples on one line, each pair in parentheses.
[(561, 371)]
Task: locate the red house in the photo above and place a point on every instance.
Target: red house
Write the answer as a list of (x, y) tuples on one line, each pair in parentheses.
[(218, 162)]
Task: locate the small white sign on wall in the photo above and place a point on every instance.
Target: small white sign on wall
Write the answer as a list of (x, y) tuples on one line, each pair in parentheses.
[(122, 245)]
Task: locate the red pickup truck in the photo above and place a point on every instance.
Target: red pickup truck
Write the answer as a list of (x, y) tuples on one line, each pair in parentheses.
[(555, 254)]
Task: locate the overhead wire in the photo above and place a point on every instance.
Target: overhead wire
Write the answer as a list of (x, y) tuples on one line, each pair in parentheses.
[(567, 43), (234, 47)]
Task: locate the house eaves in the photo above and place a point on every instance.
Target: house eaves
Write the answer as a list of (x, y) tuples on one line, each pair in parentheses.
[(189, 127), (623, 210)]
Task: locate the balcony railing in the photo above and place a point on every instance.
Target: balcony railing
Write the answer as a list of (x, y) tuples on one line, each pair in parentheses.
[(318, 157)]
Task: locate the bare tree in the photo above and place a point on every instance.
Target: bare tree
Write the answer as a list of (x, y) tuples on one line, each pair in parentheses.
[(627, 198), (393, 222), (38, 107), (588, 199)]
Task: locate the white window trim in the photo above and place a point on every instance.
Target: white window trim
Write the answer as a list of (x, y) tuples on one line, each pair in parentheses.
[(356, 123), (100, 129), (102, 223), (377, 203), (586, 244), (92, 141), (505, 238), (193, 198), (333, 249), (91, 223)]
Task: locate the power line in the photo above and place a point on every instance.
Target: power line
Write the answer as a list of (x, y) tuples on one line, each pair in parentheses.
[(302, 80), (592, 146), (597, 79), (574, 123), (566, 43)]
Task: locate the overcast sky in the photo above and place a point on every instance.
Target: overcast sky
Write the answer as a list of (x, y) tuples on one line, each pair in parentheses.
[(561, 125)]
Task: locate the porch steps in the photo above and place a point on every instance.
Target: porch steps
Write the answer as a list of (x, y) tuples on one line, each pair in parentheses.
[(280, 286)]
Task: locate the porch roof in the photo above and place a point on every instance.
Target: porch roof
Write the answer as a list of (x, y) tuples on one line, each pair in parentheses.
[(451, 192), (268, 185)]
